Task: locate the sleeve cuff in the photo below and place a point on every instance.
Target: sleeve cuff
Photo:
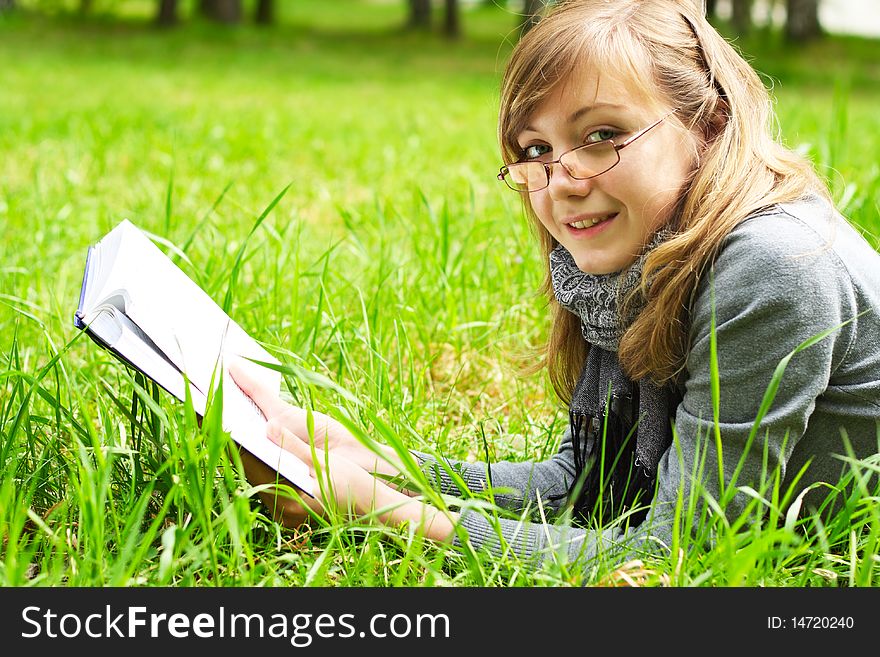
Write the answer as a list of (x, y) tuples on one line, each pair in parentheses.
[(500, 536), (440, 475)]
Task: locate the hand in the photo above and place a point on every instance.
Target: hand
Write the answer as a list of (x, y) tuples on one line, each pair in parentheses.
[(285, 509), (339, 484), (348, 489), (329, 434)]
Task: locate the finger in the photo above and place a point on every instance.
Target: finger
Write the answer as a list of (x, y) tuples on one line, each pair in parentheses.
[(287, 508), (286, 421), (258, 473), (245, 375), (294, 444)]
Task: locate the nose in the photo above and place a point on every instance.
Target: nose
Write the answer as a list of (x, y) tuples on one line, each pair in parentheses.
[(563, 185)]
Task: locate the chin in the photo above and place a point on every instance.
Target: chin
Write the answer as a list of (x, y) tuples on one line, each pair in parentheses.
[(597, 268), (601, 266)]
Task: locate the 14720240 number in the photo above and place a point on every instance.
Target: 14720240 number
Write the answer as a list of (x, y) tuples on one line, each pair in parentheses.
[(822, 622)]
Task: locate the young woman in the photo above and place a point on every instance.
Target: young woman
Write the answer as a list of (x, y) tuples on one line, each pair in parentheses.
[(678, 236)]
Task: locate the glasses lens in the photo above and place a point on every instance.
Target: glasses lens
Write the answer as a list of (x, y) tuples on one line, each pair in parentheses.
[(526, 176), (590, 160)]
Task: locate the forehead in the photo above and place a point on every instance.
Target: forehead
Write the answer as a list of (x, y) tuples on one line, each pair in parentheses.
[(588, 87)]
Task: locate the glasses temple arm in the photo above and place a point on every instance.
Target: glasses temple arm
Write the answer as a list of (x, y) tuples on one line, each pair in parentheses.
[(631, 139)]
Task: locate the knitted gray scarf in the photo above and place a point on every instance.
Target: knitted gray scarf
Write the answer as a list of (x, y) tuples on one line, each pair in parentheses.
[(621, 424)]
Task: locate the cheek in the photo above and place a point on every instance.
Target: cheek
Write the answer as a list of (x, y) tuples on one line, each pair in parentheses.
[(654, 206), (543, 209), (653, 194), (673, 167)]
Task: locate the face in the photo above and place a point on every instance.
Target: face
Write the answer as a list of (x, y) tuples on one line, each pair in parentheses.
[(629, 202)]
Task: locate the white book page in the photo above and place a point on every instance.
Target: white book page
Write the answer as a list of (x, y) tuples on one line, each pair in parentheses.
[(119, 333), (195, 334)]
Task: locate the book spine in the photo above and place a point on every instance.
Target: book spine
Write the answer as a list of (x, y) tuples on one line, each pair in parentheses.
[(78, 315)]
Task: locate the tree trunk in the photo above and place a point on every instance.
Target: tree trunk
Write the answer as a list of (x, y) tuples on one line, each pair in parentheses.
[(7, 5), (531, 15), (85, 6), (265, 13), (208, 8), (227, 11), (167, 13), (419, 14), (802, 20), (742, 16), (224, 11), (452, 20), (711, 9)]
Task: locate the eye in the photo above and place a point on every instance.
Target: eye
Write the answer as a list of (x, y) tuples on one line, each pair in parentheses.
[(535, 151), (602, 134)]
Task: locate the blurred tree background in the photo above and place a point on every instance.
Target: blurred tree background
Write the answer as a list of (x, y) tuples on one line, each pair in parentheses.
[(170, 12), (801, 17)]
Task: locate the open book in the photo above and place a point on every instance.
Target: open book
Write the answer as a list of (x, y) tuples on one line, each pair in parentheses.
[(138, 304)]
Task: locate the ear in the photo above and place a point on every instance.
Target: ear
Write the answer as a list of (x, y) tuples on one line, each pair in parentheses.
[(717, 120)]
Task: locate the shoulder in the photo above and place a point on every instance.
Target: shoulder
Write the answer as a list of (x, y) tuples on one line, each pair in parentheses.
[(804, 233), (782, 236), (799, 253), (784, 274)]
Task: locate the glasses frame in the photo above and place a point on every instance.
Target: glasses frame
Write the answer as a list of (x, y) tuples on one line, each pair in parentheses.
[(505, 170)]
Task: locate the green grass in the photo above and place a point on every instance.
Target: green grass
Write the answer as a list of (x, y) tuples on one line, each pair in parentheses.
[(395, 265)]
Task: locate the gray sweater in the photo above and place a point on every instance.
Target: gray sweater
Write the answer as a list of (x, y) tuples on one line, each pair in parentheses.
[(781, 277)]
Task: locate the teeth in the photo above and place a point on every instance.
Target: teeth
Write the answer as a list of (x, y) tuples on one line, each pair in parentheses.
[(591, 222)]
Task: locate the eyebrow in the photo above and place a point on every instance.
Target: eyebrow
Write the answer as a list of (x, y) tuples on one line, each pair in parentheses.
[(577, 114)]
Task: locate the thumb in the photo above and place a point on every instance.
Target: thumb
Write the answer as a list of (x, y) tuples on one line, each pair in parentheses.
[(245, 374)]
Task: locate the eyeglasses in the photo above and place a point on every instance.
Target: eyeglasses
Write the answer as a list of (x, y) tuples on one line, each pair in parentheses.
[(581, 163)]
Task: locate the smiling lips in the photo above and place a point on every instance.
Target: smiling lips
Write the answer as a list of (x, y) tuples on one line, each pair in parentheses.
[(589, 222)]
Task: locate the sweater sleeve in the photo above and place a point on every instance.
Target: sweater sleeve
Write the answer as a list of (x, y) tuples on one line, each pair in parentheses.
[(773, 286), (537, 491), (515, 486)]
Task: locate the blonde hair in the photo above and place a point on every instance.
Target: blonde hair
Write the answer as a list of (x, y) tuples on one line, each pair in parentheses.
[(667, 47)]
